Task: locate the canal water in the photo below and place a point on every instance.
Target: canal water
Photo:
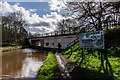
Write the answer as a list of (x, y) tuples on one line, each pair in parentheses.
[(22, 64)]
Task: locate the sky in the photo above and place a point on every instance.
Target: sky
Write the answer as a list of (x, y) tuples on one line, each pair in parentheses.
[(26, 0), (42, 15)]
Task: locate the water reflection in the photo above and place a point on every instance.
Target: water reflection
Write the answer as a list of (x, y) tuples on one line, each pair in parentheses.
[(22, 63), (30, 67), (28, 50)]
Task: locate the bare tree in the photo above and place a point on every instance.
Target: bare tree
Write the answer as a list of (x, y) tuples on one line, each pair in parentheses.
[(13, 30), (94, 15)]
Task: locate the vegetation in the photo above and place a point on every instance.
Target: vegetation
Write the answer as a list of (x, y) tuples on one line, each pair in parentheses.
[(49, 70), (92, 61), (96, 64), (93, 15), (13, 31), (9, 48)]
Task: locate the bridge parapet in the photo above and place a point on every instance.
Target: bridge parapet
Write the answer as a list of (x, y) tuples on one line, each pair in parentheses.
[(55, 33)]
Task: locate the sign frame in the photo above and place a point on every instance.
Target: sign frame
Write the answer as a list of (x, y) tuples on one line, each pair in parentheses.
[(92, 40)]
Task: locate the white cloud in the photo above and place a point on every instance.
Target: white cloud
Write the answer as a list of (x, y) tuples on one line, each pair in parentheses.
[(18, 4), (57, 4), (32, 10), (47, 23), (53, 18), (5, 7), (39, 29), (45, 10), (60, 6)]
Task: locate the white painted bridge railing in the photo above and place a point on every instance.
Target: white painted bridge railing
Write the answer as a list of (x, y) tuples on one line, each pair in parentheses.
[(55, 33)]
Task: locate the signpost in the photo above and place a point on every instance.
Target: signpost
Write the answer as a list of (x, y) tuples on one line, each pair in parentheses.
[(93, 40)]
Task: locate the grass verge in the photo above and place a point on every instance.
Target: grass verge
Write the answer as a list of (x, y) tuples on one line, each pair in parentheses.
[(9, 48), (49, 70), (91, 63)]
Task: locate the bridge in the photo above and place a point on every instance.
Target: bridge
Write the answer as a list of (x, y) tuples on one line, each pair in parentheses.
[(51, 40)]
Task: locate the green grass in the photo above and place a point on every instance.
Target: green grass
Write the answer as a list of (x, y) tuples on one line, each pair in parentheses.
[(92, 61), (49, 70), (112, 28)]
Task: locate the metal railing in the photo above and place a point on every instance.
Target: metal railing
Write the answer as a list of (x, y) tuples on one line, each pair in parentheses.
[(73, 42), (55, 33)]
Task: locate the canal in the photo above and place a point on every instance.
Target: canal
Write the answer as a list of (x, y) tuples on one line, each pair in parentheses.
[(22, 64)]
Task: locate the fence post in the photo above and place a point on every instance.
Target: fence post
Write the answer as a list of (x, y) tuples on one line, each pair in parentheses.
[(71, 50)]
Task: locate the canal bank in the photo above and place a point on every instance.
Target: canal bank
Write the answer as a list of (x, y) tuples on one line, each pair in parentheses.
[(62, 67), (9, 48), (90, 67), (49, 70), (95, 64)]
